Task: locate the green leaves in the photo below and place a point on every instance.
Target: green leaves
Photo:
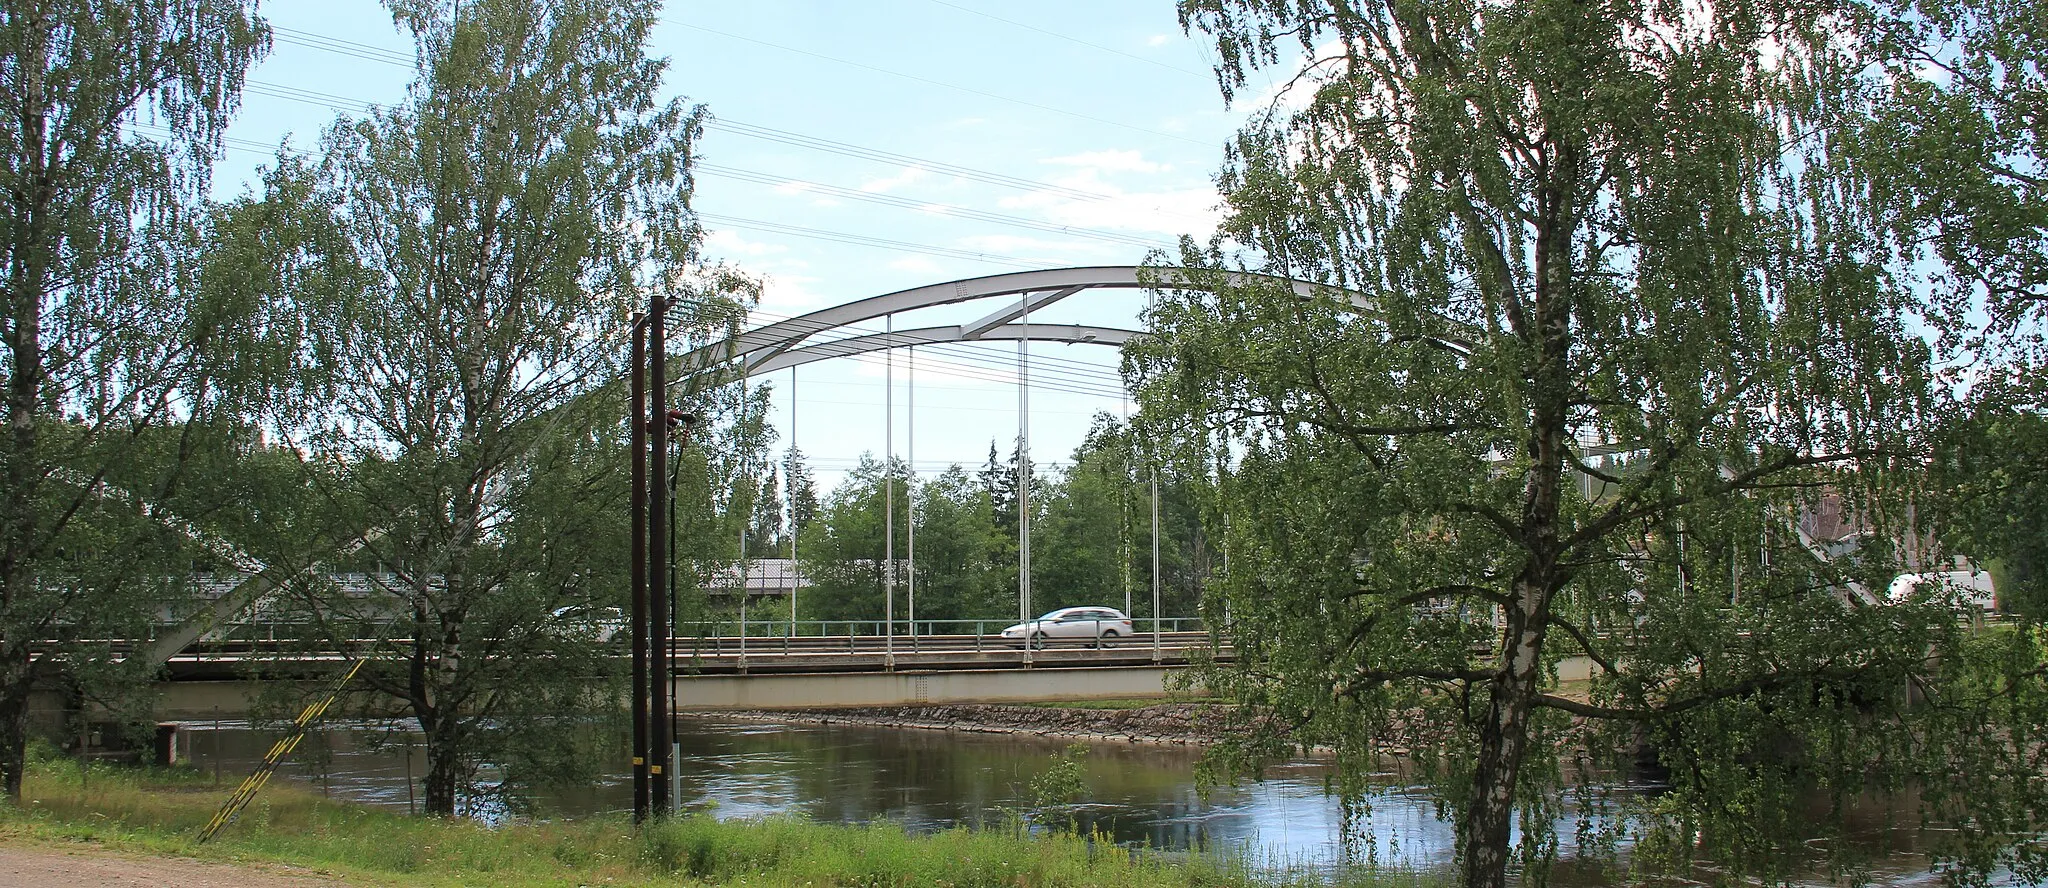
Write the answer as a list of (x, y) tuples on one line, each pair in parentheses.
[(453, 282), (1630, 359), (115, 385)]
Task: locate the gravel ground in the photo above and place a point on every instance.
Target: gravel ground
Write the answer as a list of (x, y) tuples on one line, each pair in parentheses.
[(84, 866)]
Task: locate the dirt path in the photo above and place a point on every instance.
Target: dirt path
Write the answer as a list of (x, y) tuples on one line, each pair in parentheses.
[(85, 866)]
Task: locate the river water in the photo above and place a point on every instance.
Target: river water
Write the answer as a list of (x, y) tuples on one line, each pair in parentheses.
[(1143, 795)]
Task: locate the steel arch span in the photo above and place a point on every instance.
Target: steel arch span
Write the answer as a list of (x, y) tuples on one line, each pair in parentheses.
[(787, 343)]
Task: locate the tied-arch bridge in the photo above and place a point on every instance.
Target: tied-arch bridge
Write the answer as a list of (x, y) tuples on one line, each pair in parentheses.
[(934, 663), (788, 343), (937, 664)]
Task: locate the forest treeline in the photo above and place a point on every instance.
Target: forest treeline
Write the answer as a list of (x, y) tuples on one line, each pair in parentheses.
[(1091, 536)]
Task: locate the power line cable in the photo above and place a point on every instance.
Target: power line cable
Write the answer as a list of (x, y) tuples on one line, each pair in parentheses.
[(848, 149), (867, 241), (364, 51), (968, 354), (921, 386), (957, 212), (1071, 39), (259, 149), (811, 328), (1078, 372), (773, 134), (310, 97), (1080, 378), (330, 100), (1002, 375), (1086, 378), (337, 44), (347, 105), (942, 84)]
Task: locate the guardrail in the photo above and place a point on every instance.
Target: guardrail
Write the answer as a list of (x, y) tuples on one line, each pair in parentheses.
[(711, 654), (879, 628), (278, 631), (687, 647)]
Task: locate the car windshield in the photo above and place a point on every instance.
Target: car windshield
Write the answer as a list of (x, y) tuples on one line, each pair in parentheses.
[(1053, 615)]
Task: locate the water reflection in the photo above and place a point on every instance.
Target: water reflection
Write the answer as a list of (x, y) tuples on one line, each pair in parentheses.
[(1140, 795)]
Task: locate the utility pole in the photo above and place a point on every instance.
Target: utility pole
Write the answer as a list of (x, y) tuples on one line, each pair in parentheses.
[(657, 562), (657, 426), (638, 568)]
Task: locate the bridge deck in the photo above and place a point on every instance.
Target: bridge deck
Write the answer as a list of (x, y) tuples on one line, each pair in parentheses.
[(779, 655)]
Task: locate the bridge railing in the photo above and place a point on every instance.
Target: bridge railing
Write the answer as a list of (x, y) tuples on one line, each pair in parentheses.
[(687, 632), (724, 637), (877, 628)]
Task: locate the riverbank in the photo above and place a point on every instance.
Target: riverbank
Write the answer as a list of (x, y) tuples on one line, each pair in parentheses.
[(1176, 723), (1184, 724), (134, 816)]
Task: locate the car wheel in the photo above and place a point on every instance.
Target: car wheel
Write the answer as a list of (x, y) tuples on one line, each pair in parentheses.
[(1107, 639), (1038, 640)]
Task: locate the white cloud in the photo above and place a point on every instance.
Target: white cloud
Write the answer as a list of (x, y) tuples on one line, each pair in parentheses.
[(915, 265), (1170, 212), (890, 183), (1157, 40), (786, 294), (727, 243), (1110, 162), (793, 187), (1027, 247), (826, 202)]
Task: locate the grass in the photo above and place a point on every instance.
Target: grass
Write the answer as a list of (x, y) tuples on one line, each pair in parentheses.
[(160, 811)]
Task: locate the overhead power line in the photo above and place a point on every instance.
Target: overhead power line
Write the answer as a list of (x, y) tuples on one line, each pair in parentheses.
[(848, 149), (866, 241), (957, 212), (944, 85), (251, 146), (1088, 371), (1071, 39), (969, 359), (364, 51), (310, 97), (758, 131)]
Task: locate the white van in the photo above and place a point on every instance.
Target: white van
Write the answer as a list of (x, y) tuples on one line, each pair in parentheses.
[(1973, 586)]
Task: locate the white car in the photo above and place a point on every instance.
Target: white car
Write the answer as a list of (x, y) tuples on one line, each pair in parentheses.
[(1100, 625), (599, 624), (1971, 587)]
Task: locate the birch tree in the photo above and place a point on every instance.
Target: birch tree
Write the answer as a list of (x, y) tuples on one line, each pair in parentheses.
[(1613, 318), (110, 116), (530, 193)]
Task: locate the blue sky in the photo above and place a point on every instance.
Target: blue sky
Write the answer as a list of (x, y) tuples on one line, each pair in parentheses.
[(1105, 98)]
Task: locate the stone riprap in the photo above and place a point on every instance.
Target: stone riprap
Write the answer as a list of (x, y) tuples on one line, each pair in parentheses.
[(1181, 723)]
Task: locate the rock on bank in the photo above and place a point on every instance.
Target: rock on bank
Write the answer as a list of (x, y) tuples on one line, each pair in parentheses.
[(1182, 723)]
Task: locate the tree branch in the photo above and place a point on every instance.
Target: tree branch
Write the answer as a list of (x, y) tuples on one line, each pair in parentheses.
[(1584, 642), (1617, 515)]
